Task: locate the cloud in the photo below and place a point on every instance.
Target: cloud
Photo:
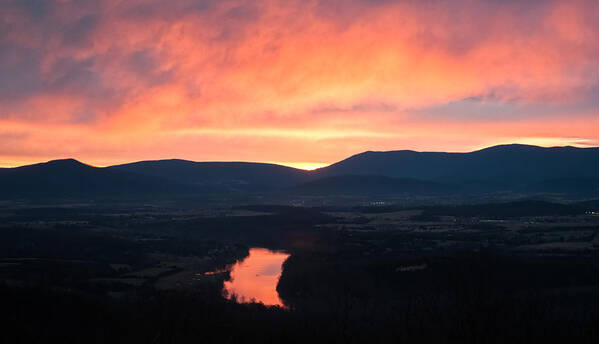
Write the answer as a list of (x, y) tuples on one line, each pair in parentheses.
[(127, 72)]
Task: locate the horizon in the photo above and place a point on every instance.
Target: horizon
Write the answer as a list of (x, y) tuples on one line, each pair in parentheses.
[(297, 83), (306, 166)]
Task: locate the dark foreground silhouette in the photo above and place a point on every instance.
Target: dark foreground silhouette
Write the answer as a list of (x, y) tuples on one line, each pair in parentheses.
[(468, 310), (517, 272), (508, 170)]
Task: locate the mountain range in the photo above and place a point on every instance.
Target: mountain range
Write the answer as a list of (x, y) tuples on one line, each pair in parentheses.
[(505, 168)]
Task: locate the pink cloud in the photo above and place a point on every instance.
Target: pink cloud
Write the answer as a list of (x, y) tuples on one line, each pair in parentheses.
[(266, 80)]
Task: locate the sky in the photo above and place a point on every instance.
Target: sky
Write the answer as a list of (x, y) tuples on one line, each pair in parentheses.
[(303, 83)]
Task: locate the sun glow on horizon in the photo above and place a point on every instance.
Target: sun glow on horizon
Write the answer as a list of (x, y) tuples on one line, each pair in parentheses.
[(308, 166)]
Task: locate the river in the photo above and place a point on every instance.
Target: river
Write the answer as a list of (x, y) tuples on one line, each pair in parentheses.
[(255, 278)]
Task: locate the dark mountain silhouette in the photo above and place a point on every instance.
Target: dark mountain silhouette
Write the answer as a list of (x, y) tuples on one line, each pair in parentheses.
[(506, 167), (370, 185), (513, 168), (71, 178), (240, 176)]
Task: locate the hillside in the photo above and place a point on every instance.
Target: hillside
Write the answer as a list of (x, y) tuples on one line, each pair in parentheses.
[(508, 165), (235, 176), (70, 178)]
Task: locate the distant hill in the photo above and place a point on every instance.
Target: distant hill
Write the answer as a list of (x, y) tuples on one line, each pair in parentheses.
[(233, 176), (578, 186), (70, 178), (506, 167), (370, 185)]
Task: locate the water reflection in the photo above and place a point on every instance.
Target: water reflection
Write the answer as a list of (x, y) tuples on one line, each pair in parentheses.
[(255, 278)]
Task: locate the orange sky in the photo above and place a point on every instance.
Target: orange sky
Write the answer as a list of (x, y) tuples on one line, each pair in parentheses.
[(299, 82)]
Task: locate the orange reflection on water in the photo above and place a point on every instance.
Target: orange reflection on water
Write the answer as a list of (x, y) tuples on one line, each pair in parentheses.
[(255, 278)]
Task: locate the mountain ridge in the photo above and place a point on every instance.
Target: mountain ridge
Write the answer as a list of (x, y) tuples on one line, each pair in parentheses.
[(511, 168), (70, 178), (515, 160), (235, 175)]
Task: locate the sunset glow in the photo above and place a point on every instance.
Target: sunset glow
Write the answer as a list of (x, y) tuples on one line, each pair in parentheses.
[(300, 83)]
